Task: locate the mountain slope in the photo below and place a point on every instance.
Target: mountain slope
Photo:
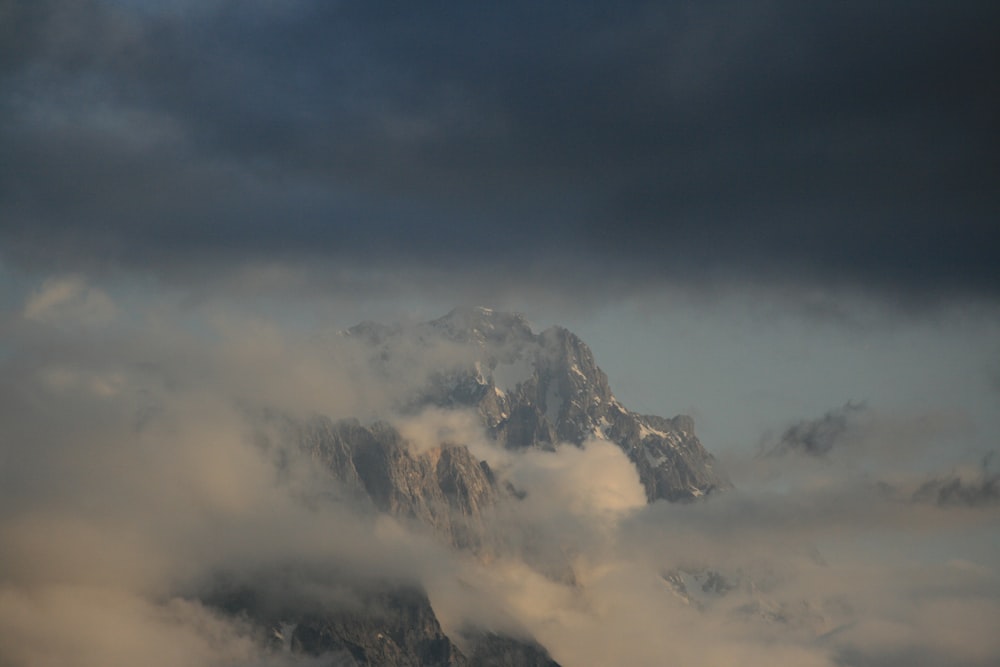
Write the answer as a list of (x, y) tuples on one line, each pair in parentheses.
[(384, 625), (444, 488)]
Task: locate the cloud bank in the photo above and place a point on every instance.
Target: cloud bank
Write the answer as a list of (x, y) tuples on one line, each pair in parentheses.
[(132, 478), (832, 146)]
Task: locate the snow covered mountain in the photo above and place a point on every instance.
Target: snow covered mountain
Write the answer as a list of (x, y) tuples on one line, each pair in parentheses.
[(540, 390)]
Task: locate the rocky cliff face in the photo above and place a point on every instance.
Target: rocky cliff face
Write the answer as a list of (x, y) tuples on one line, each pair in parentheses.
[(444, 488), (540, 390)]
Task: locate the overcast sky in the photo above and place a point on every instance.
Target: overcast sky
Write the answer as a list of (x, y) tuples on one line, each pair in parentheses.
[(780, 217), (825, 143)]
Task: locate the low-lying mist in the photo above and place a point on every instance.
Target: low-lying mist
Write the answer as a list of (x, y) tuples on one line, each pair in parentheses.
[(133, 479)]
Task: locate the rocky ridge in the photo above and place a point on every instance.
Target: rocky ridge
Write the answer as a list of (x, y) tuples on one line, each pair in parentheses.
[(387, 625), (540, 390)]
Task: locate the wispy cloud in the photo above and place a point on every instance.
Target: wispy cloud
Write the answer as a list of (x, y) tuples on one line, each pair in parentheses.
[(132, 477)]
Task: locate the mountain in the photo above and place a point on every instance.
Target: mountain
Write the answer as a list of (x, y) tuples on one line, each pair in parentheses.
[(527, 390), (384, 625), (444, 488), (540, 390)]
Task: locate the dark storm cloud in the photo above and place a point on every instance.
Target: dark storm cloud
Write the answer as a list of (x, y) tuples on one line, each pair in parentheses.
[(977, 490), (817, 437), (956, 491), (837, 142)]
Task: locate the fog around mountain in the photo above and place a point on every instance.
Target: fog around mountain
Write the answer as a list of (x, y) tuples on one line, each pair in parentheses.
[(136, 482)]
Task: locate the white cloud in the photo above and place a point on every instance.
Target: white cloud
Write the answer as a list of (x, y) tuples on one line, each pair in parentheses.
[(593, 481)]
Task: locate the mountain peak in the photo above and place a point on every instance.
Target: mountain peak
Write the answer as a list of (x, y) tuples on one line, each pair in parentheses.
[(540, 390), (482, 324)]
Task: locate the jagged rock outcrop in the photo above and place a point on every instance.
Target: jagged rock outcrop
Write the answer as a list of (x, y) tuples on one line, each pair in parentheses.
[(396, 628), (444, 487), (539, 390)]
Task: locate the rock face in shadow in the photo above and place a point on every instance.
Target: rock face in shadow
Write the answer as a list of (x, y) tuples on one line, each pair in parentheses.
[(492, 650), (376, 624), (396, 628)]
